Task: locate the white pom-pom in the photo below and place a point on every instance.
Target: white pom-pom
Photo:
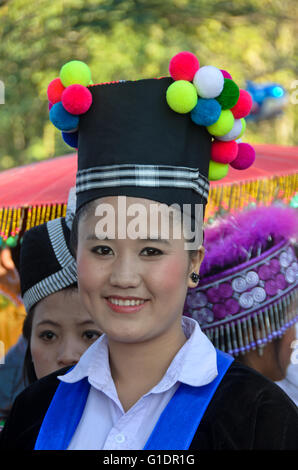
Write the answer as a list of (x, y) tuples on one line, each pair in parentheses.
[(234, 132), (209, 81)]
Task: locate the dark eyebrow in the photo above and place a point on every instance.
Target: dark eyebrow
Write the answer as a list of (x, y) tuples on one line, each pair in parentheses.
[(51, 322), (158, 240)]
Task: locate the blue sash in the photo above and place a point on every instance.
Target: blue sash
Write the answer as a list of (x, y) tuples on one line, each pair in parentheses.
[(174, 430)]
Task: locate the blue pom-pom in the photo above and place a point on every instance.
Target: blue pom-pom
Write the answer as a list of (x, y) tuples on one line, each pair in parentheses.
[(62, 119), (206, 112), (71, 138)]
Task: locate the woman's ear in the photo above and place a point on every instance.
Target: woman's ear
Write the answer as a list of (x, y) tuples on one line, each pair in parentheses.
[(195, 264)]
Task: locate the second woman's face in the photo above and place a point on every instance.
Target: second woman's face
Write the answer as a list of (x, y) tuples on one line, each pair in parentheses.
[(133, 288), (61, 332)]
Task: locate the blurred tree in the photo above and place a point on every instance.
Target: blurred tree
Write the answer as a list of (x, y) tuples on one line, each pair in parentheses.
[(131, 39)]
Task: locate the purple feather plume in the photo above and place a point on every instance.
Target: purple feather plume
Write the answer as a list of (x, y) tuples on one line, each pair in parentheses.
[(238, 237)]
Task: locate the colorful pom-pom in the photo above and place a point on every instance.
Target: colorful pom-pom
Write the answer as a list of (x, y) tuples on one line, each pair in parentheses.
[(226, 74), (224, 152), (76, 99), (50, 105), (243, 106), (223, 125), (71, 138), (181, 96), (62, 119), (209, 81), (243, 122), (55, 90), (75, 72), (229, 95), (234, 132), (183, 66), (12, 241), (217, 171), (206, 112), (245, 157)]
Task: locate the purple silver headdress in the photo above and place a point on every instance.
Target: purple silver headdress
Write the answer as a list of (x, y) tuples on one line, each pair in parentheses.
[(249, 279)]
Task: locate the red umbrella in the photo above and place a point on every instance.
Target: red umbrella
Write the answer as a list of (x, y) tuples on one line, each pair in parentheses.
[(35, 193)]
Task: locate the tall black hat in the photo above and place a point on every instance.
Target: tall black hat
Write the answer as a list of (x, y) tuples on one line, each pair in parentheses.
[(161, 139), (46, 263)]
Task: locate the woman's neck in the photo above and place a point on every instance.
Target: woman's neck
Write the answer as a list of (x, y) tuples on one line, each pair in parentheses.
[(138, 367)]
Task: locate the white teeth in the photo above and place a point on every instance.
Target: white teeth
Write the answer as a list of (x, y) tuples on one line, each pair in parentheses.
[(126, 303)]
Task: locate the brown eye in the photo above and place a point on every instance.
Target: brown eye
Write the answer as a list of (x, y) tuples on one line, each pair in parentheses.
[(102, 250), (150, 251), (47, 335)]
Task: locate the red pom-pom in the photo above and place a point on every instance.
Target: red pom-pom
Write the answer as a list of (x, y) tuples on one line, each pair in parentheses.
[(226, 74), (245, 157), (243, 106), (55, 90), (224, 152), (183, 66), (76, 99)]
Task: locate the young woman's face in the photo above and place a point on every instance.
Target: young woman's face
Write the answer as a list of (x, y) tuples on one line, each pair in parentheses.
[(134, 289), (61, 331)]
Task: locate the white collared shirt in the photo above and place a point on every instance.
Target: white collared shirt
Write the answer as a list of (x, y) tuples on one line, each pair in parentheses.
[(104, 424)]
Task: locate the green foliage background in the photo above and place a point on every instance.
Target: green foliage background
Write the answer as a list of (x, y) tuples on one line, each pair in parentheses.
[(131, 39)]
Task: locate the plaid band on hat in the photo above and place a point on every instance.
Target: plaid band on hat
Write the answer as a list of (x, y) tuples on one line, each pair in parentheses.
[(60, 279), (142, 175)]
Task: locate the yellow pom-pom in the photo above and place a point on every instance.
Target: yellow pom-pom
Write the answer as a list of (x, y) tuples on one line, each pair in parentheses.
[(182, 96), (75, 72), (217, 171), (223, 125), (243, 122)]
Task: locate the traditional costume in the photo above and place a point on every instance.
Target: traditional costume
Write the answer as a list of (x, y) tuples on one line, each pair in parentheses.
[(248, 292), (154, 139)]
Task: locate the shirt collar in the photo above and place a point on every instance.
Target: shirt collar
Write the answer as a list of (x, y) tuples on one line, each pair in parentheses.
[(194, 364)]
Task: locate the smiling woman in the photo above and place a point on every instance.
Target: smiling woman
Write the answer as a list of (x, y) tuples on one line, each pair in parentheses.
[(153, 380)]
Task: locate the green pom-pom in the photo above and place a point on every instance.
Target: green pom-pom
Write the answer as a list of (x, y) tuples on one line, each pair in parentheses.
[(229, 95), (243, 122), (217, 171), (12, 242), (223, 125), (75, 72), (182, 96)]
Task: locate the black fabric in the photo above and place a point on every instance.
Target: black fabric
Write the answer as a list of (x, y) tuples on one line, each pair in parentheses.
[(131, 122), (247, 412), (37, 257)]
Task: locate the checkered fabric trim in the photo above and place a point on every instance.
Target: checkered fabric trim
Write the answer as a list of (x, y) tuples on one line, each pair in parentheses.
[(142, 175), (60, 279)]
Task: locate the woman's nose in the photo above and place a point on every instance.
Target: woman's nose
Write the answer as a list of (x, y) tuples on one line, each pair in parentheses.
[(125, 273), (68, 353)]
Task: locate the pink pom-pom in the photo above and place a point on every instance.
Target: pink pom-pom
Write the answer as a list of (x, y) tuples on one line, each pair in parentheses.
[(76, 99), (183, 66), (245, 157), (243, 106), (224, 152), (50, 105), (55, 90), (226, 74)]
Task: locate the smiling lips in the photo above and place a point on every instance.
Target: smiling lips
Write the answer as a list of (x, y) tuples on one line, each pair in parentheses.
[(125, 304)]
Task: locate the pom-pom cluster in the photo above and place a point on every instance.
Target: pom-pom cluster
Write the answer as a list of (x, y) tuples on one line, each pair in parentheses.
[(215, 101), (69, 97)]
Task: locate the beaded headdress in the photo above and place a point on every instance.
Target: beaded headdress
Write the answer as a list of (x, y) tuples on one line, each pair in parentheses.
[(161, 139), (249, 279)]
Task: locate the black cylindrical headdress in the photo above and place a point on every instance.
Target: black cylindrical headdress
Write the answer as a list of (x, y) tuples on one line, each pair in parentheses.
[(46, 263)]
